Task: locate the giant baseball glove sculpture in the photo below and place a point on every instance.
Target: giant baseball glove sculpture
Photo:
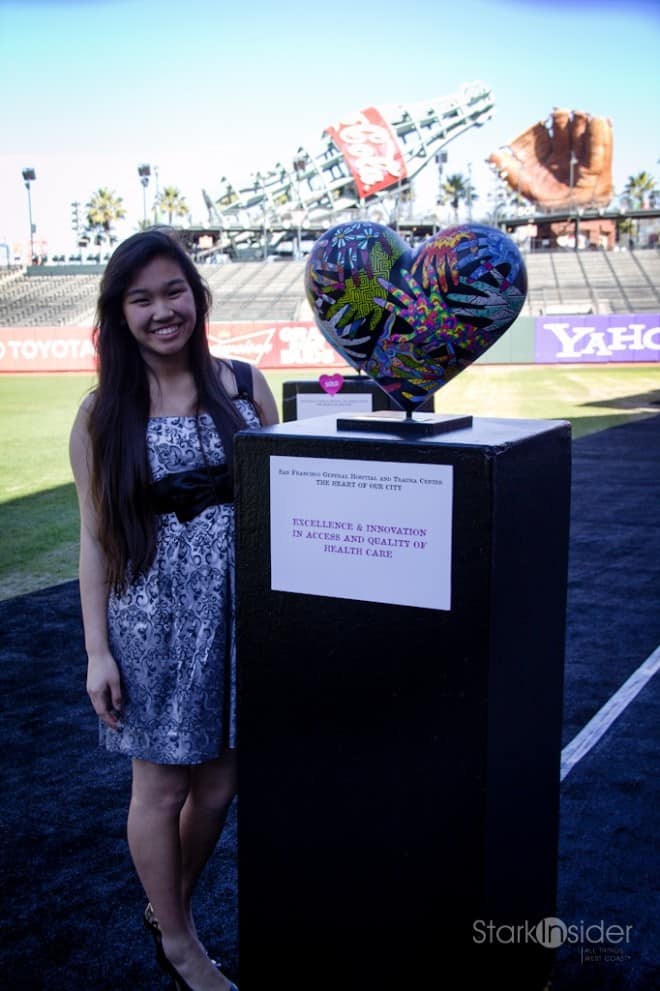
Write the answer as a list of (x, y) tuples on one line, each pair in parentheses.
[(538, 162)]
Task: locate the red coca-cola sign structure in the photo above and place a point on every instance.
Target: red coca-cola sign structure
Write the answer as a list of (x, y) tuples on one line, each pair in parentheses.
[(371, 151)]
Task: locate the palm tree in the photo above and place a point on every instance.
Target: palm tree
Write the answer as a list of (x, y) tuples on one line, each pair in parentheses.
[(172, 203), (639, 188), (456, 189), (103, 210), (626, 228)]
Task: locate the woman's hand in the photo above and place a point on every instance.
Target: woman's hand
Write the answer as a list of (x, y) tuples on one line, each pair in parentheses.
[(104, 688)]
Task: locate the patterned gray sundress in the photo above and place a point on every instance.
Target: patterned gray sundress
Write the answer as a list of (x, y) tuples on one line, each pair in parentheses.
[(172, 632)]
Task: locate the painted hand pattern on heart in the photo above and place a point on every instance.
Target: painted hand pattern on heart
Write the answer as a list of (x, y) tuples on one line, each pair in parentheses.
[(413, 319)]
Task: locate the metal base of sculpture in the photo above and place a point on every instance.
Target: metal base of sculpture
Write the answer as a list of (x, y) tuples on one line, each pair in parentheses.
[(404, 424)]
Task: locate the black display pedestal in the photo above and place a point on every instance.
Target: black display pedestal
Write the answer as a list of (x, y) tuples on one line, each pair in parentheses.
[(399, 766)]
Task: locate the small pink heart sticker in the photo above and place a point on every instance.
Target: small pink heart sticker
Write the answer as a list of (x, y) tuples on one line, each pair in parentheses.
[(331, 383)]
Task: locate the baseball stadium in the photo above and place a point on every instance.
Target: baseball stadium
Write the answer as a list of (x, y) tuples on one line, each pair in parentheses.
[(584, 351)]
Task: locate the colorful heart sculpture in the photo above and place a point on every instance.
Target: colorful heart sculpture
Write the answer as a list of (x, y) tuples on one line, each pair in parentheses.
[(412, 319)]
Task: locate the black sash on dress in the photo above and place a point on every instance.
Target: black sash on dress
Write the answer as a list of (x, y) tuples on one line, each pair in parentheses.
[(189, 493)]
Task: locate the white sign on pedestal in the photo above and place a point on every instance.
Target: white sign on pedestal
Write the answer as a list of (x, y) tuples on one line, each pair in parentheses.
[(310, 404), (378, 531)]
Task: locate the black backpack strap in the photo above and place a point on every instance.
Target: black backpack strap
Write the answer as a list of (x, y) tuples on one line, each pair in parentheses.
[(243, 374)]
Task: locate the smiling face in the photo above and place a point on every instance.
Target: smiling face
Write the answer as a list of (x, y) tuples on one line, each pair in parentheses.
[(159, 308)]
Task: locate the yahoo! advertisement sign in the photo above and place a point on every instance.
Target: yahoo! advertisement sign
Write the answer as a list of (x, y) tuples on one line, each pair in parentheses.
[(614, 337)]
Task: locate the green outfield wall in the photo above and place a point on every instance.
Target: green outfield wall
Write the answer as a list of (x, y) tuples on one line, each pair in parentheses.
[(516, 347)]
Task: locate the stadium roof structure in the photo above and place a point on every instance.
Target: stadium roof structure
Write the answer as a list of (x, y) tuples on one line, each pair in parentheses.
[(364, 162)]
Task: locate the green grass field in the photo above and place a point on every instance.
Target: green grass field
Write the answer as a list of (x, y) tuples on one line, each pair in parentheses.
[(39, 510)]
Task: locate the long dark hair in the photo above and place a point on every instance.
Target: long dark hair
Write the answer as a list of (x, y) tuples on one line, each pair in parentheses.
[(120, 407)]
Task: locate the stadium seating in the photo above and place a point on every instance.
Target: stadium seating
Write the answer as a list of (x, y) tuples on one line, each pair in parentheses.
[(258, 291), (47, 300), (593, 282), (559, 282)]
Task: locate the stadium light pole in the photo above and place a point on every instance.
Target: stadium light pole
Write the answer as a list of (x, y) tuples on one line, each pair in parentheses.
[(260, 181), (299, 212), (469, 192), (571, 182), (156, 206), (144, 171), (298, 215), (29, 175), (505, 190)]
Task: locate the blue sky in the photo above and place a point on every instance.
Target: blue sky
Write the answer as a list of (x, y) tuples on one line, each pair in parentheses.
[(200, 89)]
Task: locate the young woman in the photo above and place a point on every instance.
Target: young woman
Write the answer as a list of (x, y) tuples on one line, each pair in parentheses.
[(151, 451)]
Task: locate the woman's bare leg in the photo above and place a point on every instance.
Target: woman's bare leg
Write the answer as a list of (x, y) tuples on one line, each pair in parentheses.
[(159, 794), (212, 789)]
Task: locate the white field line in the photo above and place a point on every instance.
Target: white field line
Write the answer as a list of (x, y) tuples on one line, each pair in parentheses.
[(589, 736)]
